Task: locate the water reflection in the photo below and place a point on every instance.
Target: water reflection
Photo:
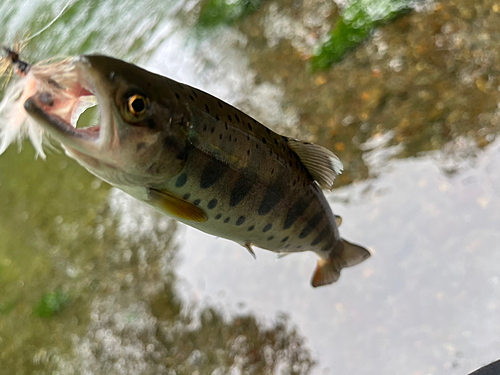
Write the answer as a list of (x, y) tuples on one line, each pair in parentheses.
[(425, 302)]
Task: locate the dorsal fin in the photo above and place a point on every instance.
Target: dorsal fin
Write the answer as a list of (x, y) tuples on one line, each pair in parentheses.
[(320, 162)]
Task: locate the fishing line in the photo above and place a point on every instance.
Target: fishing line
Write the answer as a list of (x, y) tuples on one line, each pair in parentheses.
[(63, 10)]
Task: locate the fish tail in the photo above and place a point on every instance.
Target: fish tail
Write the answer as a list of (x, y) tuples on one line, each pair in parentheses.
[(328, 269)]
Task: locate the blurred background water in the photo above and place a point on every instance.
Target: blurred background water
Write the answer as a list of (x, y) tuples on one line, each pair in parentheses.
[(407, 95)]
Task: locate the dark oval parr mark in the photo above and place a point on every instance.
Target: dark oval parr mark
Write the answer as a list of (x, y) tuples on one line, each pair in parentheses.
[(271, 198), (240, 190), (212, 173)]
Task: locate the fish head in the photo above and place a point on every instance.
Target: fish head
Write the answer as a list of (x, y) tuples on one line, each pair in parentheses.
[(142, 135)]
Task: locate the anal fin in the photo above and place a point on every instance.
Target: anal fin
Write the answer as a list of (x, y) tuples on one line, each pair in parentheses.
[(328, 269), (177, 207), (248, 246), (282, 255)]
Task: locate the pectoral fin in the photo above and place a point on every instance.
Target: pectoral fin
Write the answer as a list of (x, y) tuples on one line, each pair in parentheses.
[(338, 220), (177, 207)]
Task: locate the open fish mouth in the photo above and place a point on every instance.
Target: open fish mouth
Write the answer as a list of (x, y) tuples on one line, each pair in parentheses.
[(56, 95)]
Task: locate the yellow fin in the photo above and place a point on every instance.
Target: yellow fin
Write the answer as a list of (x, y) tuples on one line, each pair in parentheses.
[(177, 207), (328, 269), (338, 220)]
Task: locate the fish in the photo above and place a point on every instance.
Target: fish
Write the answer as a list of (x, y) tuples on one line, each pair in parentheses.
[(195, 158)]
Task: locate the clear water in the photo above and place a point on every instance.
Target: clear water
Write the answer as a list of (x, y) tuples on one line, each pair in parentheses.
[(93, 282)]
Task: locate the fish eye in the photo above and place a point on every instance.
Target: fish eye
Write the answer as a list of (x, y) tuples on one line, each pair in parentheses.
[(137, 105)]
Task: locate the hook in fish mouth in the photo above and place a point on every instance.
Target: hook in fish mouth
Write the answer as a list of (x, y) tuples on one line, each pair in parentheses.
[(64, 90)]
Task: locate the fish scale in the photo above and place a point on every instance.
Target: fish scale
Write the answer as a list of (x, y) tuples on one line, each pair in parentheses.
[(272, 173), (198, 159)]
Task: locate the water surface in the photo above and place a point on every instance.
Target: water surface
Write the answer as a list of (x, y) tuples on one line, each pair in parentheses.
[(94, 282)]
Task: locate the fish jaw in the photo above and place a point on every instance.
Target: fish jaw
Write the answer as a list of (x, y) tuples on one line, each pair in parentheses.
[(120, 150), (53, 106)]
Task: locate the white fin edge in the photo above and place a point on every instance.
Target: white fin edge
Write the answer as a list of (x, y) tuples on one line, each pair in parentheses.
[(323, 165)]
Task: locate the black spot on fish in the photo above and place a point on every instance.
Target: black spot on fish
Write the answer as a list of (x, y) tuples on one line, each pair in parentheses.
[(249, 126), (240, 220), (287, 246), (240, 190), (212, 130), (194, 93), (311, 224), (248, 152), (251, 228), (151, 124), (296, 211), (275, 142), (229, 137), (225, 125), (226, 220), (290, 163), (191, 97), (267, 228), (217, 117), (207, 109), (264, 140), (219, 103), (196, 202), (177, 96), (284, 138), (212, 173), (237, 118), (181, 86), (220, 136), (271, 198), (272, 172), (285, 239), (235, 139), (268, 131), (218, 216), (212, 204), (186, 196), (229, 118), (181, 180), (204, 128), (270, 238), (248, 138), (321, 236), (140, 146)]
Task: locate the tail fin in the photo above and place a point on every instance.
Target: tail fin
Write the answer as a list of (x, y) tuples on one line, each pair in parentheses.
[(328, 270)]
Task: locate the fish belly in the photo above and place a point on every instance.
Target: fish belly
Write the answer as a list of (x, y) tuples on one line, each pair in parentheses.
[(241, 205)]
